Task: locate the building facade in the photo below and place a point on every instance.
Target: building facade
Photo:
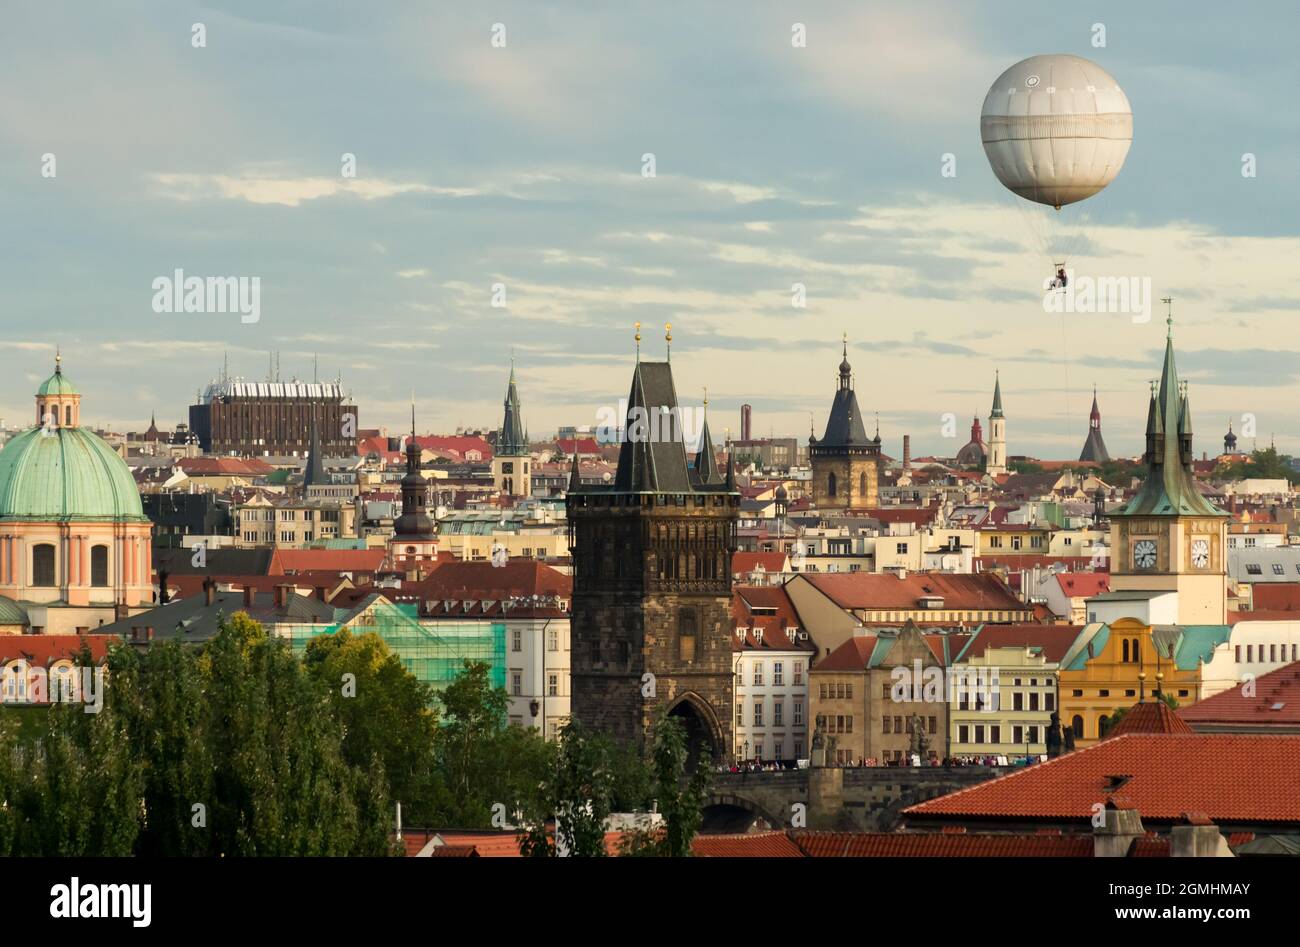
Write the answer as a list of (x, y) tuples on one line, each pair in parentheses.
[(274, 418)]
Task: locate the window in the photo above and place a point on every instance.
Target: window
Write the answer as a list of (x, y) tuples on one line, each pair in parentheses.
[(1033, 701), (553, 639), (1017, 734), (99, 566), (901, 548), (830, 485), (553, 686), (758, 712), (686, 625), (43, 565), (995, 734), (798, 713), (1277, 568), (798, 749), (517, 683), (778, 715), (758, 673), (885, 729), (516, 640), (1049, 701), (778, 669), (1017, 701), (1033, 734), (963, 734), (979, 733), (798, 672)]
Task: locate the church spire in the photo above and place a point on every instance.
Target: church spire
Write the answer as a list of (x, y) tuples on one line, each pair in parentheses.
[(997, 395)]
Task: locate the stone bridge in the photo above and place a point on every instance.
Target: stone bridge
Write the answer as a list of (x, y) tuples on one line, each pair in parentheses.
[(858, 799)]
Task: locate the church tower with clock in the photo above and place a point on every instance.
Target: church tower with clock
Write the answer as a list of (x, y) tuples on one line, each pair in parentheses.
[(1170, 538)]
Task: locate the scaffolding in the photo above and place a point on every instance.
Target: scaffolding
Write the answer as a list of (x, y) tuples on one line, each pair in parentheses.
[(435, 652)]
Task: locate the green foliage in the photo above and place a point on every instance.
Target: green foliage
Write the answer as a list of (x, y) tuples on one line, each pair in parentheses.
[(234, 749), (385, 714), (680, 797), (1265, 464), (578, 792)]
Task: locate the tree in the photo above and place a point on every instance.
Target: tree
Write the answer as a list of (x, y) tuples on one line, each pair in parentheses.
[(680, 797), (577, 792), (385, 711)]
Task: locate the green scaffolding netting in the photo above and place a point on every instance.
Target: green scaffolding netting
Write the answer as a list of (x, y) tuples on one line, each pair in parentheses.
[(434, 652)]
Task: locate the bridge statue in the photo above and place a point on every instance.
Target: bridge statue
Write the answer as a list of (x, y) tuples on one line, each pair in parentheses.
[(920, 743), (1054, 737)]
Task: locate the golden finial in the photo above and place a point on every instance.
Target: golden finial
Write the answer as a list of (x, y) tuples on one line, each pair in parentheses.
[(58, 361), (706, 401), (638, 341), (668, 338)]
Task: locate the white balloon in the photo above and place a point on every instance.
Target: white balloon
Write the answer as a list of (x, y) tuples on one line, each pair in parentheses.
[(1056, 129)]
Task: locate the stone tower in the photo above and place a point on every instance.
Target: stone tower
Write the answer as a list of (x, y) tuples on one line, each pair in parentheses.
[(511, 473), (845, 461), (651, 621), (997, 462)]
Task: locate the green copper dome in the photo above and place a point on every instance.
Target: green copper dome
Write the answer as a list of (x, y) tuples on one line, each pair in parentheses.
[(66, 474), (56, 384)]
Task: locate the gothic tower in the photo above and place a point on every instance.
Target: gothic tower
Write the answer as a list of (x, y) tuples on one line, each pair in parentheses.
[(997, 460), (651, 621), (1170, 538), (845, 461), (510, 460), (414, 544), (1094, 448)]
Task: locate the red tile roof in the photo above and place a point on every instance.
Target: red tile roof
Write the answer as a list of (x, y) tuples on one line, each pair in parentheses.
[(1235, 617), (1259, 712), (942, 845), (873, 590), (779, 627), (1276, 596), (44, 650), (743, 563), (1149, 716), (224, 466), (759, 845), (1230, 777), (853, 655), (290, 561), (461, 581), (458, 445), (1052, 640), (1083, 584)]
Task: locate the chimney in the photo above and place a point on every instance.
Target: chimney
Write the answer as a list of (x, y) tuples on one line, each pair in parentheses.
[(1195, 836), (120, 612), (907, 451), (209, 591), (148, 633), (1120, 827), (249, 596), (282, 593)]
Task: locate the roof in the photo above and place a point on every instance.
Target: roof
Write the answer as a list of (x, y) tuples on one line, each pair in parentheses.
[(1051, 641), (768, 608), (192, 619), (510, 439), (844, 427), (1149, 716), (224, 467), (941, 845), (1232, 778), (11, 613), (1083, 584), (56, 384), (290, 561), (1275, 702), (853, 655), (44, 650), (480, 588), (757, 845), (66, 474), (1168, 489), (1276, 596), (221, 561), (878, 591), (743, 563), (647, 460)]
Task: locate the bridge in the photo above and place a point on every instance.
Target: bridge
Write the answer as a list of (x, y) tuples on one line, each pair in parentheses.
[(861, 799)]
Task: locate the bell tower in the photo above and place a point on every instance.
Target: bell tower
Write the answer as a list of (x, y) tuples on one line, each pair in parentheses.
[(997, 461)]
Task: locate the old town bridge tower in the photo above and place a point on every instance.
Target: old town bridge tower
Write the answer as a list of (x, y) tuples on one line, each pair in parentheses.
[(651, 623)]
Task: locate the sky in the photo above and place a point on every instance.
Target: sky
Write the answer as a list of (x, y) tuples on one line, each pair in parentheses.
[(522, 165)]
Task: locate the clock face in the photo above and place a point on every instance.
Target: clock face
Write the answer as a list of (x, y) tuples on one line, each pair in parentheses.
[(1144, 553), (1201, 553)]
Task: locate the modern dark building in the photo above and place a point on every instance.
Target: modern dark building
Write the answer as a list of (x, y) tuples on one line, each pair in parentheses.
[(651, 625), (254, 419), (176, 515)]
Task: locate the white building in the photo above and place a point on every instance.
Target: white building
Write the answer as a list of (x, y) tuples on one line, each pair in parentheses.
[(770, 657)]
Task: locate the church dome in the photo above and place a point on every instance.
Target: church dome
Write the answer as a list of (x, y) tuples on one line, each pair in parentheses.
[(61, 472), (65, 474)]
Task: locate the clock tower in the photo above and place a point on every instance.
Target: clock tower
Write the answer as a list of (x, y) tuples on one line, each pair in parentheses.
[(1170, 538)]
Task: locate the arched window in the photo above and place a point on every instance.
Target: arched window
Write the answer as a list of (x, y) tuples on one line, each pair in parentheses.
[(830, 485), (1125, 644), (68, 415), (1137, 652), (862, 484), (1103, 725), (1077, 726), (43, 565), (99, 566)]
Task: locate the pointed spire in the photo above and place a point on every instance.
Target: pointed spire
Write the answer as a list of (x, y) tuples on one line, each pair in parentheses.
[(731, 474), (575, 477), (638, 342), (997, 395), (668, 341), (706, 460)]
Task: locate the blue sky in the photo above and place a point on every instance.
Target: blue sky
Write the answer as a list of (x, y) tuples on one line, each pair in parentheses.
[(521, 165)]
